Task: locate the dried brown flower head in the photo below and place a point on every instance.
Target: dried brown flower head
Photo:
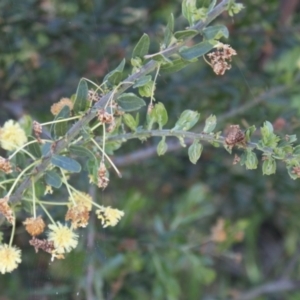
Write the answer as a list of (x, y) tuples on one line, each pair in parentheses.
[(218, 233), (34, 226), (45, 245), (93, 96), (102, 176), (57, 107), (220, 59), (37, 130), (5, 165), (6, 210), (104, 117), (79, 216), (235, 136)]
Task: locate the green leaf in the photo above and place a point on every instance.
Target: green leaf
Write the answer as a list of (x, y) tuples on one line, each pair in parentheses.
[(184, 34), (147, 89), (162, 147), (297, 150), (130, 102), (187, 120), (168, 34), (161, 59), (161, 114), (53, 179), (46, 148), (130, 121), (142, 47), (82, 151), (215, 32), (66, 163), (59, 129), (175, 66), (251, 160), (26, 123), (142, 81), (212, 5), (81, 97), (269, 166), (269, 139), (249, 133), (115, 76), (210, 124), (188, 10), (34, 148), (197, 50), (195, 151)]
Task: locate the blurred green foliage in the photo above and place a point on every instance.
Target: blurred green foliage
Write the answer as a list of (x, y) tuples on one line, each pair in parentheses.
[(169, 245)]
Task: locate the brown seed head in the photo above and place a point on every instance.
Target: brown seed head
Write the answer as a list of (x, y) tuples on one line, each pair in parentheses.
[(45, 245), (220, 58), (34, 226), (37, 130), (93, 96), (6, 210), (5, 165), (79, 216), (102, 176), (104, 117), (57, 107), (234, 136)]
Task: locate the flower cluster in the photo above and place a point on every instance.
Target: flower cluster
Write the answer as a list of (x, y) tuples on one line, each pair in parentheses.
[(102, 176), (109, 216), (57, 107), (79, 208), (10, 257), (5, 165), (6, 210), (12, 136), (221, 58)]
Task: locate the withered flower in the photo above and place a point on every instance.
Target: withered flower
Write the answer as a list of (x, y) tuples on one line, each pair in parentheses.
[(34, 226), (37, 130), (57, 107), (235, 136), (104, 117), (79, 216), (102, 176), (220, 59), (5, 165), (6, 210)]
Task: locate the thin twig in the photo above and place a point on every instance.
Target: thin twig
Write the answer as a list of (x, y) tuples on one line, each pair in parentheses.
[(271, 288)]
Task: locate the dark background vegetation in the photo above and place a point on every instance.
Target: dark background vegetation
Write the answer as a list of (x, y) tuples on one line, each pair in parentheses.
[(164, 247)]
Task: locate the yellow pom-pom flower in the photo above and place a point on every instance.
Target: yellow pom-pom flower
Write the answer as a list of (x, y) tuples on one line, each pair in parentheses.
[(10, 257), (63, 237), (12, 136)]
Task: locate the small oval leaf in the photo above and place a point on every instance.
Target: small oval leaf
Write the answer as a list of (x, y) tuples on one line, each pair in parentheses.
[(53, 179), (81, 151), (184, 34), (130, 102), (66, 163), (142, 47), (197, 50), (215, 32), (81, 97), (142, 81)]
